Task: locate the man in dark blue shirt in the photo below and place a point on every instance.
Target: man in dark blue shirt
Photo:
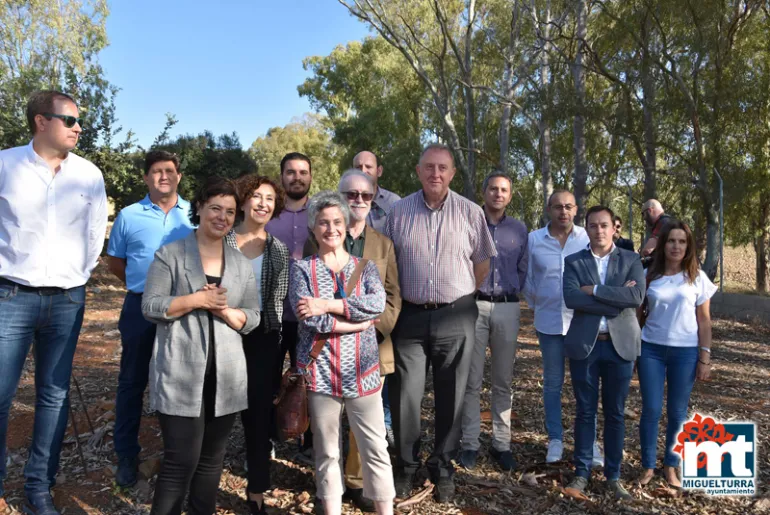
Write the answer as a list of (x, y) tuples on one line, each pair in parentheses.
[(496, 326)]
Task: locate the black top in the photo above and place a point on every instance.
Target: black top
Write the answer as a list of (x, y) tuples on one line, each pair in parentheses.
[(625, 243), (210, 279)]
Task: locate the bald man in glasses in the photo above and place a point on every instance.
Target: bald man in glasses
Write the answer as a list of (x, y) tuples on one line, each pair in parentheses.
[(383, 199)]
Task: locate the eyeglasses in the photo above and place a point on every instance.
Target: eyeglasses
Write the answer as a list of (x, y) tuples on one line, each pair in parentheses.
[(353, 195), (618, 227), (563, 207), (69, 121)]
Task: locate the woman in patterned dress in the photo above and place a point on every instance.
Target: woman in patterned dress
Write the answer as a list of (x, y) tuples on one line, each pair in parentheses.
[(346, 372)]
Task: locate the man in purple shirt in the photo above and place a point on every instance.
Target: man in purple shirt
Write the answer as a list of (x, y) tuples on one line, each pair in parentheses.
[(290, 227), (497, 326)]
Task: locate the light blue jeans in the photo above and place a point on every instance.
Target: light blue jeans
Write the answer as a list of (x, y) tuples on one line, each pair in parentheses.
[(552, 348), (660, 365)]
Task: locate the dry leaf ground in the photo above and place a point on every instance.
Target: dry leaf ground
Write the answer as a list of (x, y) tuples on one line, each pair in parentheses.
[(739, 390)]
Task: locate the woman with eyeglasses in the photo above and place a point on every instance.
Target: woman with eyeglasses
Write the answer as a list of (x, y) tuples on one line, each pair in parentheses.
[(676, 343), (337, 302), (203, 295), (261, 200)]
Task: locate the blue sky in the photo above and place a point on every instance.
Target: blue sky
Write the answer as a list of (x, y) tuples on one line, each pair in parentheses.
[(232, 65)]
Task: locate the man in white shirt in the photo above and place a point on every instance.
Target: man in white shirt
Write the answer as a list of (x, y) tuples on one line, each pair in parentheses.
[(53, 217), (547, 248)]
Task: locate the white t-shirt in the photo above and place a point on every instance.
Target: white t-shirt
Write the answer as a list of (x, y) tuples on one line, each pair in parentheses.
[(256, 264), (672, 301)]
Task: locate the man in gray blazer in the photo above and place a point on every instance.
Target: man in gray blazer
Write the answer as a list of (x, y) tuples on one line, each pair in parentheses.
[(604, 285)]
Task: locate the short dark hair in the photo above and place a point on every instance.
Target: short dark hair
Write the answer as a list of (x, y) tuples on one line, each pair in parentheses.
[(616, 218), (494, 174), (296, 156), (558, 192), (598, 209), (42, 102), (213, 187), (248, 184), (155, 156)]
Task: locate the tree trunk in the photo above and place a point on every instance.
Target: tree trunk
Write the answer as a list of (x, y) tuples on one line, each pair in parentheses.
[(580, 179), (544, 123), (469, 178), (648, 118), (508, 92), (762, 245)]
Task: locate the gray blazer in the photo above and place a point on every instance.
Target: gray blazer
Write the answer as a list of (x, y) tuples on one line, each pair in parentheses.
[(612, 300), (182, 343)]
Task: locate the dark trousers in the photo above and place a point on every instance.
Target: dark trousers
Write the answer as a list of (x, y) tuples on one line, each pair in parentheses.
[(137, 337), (442, 338), (289, 332), (261, 350), (193, 454), (603, 365)]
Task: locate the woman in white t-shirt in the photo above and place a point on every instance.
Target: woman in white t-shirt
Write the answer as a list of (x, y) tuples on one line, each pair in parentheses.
[(676, 343)]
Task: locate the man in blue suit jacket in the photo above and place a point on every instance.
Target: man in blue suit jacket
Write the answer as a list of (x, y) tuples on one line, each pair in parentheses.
[(604, 285)]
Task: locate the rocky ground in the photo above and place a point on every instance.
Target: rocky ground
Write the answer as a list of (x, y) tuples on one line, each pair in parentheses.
[(739, 391)]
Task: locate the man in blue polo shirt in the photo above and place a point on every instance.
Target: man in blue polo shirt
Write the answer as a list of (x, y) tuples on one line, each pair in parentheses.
[(139, 230)]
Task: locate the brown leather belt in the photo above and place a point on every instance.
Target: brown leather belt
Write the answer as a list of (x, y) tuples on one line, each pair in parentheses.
[(604, 337)]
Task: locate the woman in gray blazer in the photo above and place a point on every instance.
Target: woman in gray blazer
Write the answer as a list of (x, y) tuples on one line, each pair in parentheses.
[(203, 295)]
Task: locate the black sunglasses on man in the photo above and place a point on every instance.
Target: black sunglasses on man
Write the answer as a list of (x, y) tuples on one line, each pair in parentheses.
[(69, 121)]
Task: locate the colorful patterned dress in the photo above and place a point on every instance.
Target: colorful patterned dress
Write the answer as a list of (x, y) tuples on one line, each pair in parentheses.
[(348, 365)]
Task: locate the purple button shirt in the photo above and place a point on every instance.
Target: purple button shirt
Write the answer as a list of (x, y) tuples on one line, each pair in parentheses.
[(290, 227), (507, 270)]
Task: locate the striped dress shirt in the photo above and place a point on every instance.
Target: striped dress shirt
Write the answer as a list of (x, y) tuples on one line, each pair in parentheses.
[(437, 248)]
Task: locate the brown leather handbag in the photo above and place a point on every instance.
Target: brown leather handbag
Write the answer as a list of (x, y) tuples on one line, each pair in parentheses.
[(291, 408)]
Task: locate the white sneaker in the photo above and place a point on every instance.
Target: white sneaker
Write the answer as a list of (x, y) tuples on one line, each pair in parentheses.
[(555, 451), (598, 459)]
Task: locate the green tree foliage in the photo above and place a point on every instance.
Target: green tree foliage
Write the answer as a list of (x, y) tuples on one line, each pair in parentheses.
[(200, 156), (373, 102), (54, 44), (307, 135)]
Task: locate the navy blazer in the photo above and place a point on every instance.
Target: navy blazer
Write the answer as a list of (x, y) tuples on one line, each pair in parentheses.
[(612, 300)]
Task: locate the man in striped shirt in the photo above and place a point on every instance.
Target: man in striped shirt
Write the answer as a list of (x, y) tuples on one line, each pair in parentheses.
[(443, 247)]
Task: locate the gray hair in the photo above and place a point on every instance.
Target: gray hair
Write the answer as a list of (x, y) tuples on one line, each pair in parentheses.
[(494, 174), (325, 199), (437, 146), (355, 172)]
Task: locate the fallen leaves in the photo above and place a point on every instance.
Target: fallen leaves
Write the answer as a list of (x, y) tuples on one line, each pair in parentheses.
[(416, 498), (739, 392)]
